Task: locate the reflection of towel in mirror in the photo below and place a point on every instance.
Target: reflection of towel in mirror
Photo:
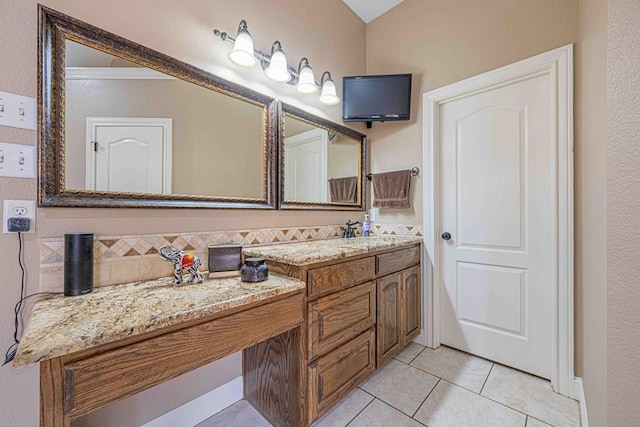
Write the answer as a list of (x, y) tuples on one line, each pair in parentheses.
[(391, 189), (343, 190)]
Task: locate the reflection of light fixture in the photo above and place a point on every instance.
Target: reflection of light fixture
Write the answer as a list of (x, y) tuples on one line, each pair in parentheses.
[(328, 95), (278, 69), (306, 81), (275, 65), (242, 52)]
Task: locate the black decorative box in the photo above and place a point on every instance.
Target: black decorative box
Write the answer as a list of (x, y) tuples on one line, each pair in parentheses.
[(225, 259)]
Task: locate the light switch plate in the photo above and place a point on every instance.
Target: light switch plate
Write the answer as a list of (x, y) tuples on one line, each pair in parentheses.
[(18, 111), (17, 160)]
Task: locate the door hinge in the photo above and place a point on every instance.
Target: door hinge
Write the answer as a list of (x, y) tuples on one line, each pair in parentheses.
[(95, 146)]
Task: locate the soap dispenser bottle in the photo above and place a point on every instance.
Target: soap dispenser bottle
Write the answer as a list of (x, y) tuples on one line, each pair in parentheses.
[(366, 226)]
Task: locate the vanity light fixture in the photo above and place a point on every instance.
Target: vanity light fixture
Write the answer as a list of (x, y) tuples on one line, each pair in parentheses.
[(242, 52), (328, 95), (306, 80), (276, 67)]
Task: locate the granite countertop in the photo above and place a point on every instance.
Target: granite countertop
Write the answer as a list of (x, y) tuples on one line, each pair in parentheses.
[(304, 253), (63, 325)]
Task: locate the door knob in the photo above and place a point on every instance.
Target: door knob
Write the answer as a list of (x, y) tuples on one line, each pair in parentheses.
[(446, 235)]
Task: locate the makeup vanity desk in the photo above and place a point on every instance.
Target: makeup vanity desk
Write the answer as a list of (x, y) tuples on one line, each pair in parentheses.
[(119, 340)]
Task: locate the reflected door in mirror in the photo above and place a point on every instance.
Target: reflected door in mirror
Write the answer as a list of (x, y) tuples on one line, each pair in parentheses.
[(129, 155), (305, 162)]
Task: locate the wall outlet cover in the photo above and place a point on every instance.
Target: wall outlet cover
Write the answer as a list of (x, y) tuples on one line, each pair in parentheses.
[(19, 209)]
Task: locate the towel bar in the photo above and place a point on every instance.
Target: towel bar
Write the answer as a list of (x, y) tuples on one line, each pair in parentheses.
[(415, 171)]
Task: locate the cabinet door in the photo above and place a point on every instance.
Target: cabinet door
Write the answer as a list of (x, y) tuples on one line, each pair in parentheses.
[(410, 297), (388, 317)]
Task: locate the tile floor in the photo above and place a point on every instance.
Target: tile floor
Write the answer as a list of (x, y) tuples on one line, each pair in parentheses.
[(436, 388)]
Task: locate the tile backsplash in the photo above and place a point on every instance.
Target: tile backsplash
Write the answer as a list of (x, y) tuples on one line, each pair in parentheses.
[(125, 259)]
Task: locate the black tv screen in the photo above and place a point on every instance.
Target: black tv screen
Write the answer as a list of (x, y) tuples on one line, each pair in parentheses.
[(376, 98)]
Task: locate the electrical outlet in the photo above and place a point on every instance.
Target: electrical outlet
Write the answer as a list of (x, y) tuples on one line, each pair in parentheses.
[(19, 209)]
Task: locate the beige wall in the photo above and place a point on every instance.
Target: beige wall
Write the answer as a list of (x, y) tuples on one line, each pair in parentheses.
[(623, 213), (183, 30), (591, 206), (217, 139)]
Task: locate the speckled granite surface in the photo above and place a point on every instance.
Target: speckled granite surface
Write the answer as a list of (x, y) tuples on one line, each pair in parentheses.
[(304, 253), (63, 325)]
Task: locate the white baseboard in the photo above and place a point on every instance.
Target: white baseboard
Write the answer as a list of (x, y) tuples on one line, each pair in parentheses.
[(578, 393), (201, 408)]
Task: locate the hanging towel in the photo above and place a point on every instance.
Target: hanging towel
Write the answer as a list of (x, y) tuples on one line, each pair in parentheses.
[(343, 190), (391, 189)]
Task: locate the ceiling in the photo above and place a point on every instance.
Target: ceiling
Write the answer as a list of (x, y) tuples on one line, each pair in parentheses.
[(368, 10)]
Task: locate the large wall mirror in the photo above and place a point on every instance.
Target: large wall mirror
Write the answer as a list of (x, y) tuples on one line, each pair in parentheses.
[(122, 125), (322, 163)]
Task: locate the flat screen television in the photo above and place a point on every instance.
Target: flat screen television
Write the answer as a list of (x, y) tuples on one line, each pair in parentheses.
[(376, 98)]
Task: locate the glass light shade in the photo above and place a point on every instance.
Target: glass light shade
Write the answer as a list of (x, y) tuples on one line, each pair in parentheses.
[(242, 52), (277, 69), (328, 95), (306, 81)]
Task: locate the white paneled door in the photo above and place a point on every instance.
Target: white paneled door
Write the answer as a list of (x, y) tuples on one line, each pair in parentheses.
[(497, 219)]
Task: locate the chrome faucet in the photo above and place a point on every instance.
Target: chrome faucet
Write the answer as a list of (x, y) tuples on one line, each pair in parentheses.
[(350, 231)]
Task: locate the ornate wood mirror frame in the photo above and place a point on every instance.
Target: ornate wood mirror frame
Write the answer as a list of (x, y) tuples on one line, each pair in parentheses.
[(359, 162), (54, 30)]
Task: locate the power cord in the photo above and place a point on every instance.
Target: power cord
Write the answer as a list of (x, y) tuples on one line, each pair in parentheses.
[(13, 348)]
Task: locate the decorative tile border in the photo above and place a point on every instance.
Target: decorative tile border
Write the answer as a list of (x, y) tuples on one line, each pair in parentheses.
[(125, 259), (397, 230)]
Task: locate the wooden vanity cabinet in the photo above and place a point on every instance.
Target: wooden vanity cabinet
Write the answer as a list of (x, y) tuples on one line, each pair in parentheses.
[(361, 311)]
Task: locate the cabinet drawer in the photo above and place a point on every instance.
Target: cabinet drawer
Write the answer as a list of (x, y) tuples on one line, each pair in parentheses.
[(337, 318), (334, 375), (339, 276), (398, 260)]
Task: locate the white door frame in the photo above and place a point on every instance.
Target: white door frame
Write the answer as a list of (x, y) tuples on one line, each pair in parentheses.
[(167, 149), (558, 65)]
